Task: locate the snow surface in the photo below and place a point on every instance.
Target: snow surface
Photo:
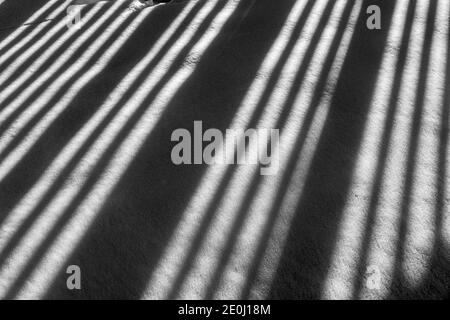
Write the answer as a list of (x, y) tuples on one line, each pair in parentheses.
[(358, 209)]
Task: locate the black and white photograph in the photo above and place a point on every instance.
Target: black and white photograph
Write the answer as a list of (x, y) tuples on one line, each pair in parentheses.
[(224, 150)]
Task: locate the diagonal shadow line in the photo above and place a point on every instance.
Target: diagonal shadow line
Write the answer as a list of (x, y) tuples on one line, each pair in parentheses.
[(37, 37), (36, 76), (436, 283), (229, 172), (398, 277), (28, 223), (442, 186), (299, 143), (56, 96), (72, 112), (119, 270), (307, 58), (383, 154), (304, 261), (45, 13), (440, 266), (22, 13), (76, 159), (232, 32), (107, 156), (55, 38), (11, 37), (257, 179), (35, 54), (62, 90), (45, 66), (240, 11), (128, 279)]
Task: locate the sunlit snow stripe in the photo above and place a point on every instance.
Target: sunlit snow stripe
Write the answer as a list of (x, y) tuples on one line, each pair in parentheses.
[(259, 212), (12, 86), (420, 227), (17, 216), (338, 284), (80, 222), (383, 242), (180, 244), (35, 18), (12, 268), (31, 37), (14, 157), (51, 88)]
